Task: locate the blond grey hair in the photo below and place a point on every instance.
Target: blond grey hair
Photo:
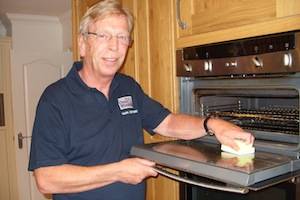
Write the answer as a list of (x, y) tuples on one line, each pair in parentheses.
[(103, 9)]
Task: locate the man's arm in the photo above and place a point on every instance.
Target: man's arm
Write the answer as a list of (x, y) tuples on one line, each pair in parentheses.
[(72, 178), (189, 127)]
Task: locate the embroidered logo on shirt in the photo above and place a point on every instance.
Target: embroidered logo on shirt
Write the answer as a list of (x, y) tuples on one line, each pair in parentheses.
[(126, 105), (125, 102), (129, 112)]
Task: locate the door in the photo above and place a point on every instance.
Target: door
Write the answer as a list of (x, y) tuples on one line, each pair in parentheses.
[(4, 120), (29, 80)]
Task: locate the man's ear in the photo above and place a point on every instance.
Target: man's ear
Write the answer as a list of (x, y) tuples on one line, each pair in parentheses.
[(81, 45)]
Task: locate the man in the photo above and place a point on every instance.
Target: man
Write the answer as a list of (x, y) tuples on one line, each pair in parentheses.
[(87, 122)]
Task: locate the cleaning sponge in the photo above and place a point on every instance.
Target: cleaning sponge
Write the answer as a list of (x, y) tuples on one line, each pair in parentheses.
[(243, 148)]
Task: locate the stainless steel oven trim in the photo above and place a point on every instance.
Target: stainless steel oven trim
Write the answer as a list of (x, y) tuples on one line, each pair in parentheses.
[(270, 63), (263, 55), (229, 188), (241, 190)]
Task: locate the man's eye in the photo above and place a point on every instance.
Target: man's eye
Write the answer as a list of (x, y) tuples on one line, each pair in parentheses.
[(123, 37)]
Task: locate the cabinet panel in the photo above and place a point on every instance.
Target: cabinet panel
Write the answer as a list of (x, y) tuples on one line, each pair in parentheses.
[(90, 3), (155, 49), (210, 21), (286, 8), (214, 15), (161, 52)]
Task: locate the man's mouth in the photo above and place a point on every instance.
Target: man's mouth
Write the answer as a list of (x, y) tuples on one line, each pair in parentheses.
[(110, 59)]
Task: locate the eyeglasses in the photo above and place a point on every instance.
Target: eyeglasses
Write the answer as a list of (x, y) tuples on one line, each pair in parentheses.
[(105, 37)]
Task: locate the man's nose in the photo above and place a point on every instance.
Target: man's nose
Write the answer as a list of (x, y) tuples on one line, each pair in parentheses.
[(113, 43)]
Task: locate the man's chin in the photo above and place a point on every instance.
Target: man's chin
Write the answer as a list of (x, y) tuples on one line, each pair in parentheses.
[(110, 74)]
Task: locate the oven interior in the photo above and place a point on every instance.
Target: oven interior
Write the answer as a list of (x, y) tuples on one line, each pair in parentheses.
[(264, 110), (268, 108)]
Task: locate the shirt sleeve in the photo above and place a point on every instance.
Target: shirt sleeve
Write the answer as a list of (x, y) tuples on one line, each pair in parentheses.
[(153, 113), (48, 146)]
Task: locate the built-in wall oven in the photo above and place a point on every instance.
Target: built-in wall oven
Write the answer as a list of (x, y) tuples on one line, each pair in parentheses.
[(254, 83)]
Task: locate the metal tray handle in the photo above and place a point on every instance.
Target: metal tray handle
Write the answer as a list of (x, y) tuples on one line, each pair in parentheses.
[(205, 185)]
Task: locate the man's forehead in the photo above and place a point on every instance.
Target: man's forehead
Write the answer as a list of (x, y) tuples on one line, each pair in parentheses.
[(98, 22), (102, 18)]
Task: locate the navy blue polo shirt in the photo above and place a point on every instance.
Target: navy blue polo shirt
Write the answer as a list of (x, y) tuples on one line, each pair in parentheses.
[(76, 124)]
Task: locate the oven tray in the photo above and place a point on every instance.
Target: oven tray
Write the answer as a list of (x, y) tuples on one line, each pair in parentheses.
[(207, 160)]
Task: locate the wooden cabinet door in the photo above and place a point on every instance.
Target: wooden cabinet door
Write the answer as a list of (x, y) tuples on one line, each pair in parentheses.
[(155, 52), (235, 18)]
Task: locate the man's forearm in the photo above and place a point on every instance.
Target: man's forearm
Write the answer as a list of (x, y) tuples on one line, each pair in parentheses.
[(189, 127), (71, 178), (181, 126)]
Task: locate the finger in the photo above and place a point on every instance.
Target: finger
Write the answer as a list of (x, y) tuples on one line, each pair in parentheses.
[(250, 139), (234, 145), (231, 143), (146, 162), (153, 172), (245, 136)]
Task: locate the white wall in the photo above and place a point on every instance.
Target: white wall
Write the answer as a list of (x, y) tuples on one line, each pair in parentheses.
[(36, 33), (66, 23)]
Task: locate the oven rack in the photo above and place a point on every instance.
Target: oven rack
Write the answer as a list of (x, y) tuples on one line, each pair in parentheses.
[(284, 120)]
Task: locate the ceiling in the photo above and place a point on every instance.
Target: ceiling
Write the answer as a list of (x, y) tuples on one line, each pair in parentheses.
[(35, 7)]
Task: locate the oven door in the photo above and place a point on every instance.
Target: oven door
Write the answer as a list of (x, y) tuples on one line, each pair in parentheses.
[(235, 173)]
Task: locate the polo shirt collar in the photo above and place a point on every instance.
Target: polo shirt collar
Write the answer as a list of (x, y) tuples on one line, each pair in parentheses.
[(77, 86)]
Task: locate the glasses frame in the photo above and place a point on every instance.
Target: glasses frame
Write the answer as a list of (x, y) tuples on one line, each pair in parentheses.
[(107, 37)]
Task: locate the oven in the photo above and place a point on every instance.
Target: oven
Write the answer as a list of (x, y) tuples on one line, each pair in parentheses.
[(254, 83)]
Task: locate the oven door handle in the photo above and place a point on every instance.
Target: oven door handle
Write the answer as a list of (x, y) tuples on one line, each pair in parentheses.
[(240, 190)]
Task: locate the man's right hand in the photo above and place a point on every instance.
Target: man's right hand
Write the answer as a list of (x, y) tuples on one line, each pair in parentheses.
[(135, 170)]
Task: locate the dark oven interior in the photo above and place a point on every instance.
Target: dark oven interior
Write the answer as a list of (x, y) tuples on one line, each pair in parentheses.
[(284, 191)]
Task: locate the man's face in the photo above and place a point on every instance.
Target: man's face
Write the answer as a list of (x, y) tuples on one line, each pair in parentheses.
[(104, 48)]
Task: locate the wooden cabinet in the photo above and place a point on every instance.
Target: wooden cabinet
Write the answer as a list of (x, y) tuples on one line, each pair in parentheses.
[(151, 61), (155, 54), (209, 21)]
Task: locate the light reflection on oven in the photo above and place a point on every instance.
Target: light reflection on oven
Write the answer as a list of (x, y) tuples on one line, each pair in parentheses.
[(244, 162), (213, 156)]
